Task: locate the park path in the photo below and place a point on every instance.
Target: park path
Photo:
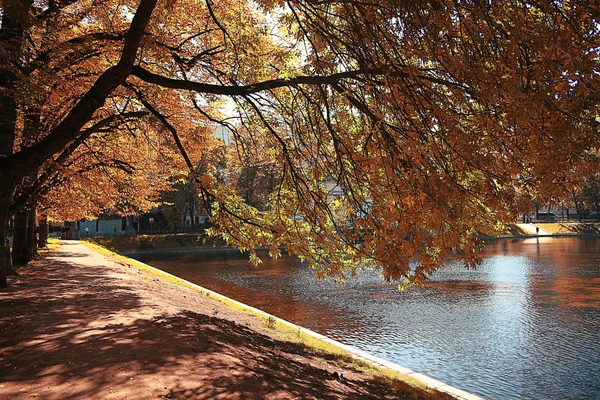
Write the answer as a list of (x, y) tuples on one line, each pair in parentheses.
[(77, 325)]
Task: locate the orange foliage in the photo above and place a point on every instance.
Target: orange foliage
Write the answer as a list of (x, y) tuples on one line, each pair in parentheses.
[(435, 119)]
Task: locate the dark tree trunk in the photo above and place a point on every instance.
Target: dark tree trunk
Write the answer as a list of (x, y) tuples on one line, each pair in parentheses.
[(19, 248), (14, 15), (31, 249), (191, 212), (31, 130), (43, 232), (577, 206), (15, 166), (5, 258), (11, 38), (8, 116)]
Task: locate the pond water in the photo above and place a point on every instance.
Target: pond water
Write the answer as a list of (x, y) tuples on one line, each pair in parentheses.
[(524, 325)]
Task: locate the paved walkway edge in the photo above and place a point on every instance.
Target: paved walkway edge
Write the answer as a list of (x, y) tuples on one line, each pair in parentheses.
[(359, 354)]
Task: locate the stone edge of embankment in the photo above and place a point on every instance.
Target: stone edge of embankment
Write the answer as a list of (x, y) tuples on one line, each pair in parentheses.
[(358, 354)]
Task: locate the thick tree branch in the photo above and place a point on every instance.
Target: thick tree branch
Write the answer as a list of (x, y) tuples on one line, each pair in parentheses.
[(163, 120), (244, 90), (150, 77), (25, 196), (78, 42), (54, 7), (115, 164), (17, 165)]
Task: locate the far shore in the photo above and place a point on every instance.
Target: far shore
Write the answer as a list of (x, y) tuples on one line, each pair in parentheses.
[(184, 243)]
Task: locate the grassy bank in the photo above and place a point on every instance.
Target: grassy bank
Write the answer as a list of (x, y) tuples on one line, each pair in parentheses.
[(157, 242), (553, 228), (572, 228)]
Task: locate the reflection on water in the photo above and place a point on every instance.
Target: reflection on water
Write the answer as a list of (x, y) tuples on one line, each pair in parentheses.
[(526, 324)]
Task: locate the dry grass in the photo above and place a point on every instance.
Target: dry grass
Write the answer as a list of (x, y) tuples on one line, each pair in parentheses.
[(508, 230), (158, 242), (514, 230), (574, 228)]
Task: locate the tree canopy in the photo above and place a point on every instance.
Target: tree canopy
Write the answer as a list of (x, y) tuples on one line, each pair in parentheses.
[(434, 119)]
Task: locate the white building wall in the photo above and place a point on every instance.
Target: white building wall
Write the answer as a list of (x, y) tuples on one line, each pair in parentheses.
[(105, 227)]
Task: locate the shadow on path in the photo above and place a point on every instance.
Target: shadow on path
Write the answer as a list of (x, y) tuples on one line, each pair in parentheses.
[(71, 331)]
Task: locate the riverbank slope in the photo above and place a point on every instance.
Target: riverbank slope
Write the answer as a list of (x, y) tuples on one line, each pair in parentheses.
[(76, 324)]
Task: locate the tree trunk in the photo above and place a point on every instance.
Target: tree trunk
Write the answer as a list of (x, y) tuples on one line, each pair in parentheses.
[(15, 166), (191, 213), (14, 15), (11, 38), (31, 249), (5, 259), (19, 248), (8, 116), (31, 129), (577, 206), (43, 232)]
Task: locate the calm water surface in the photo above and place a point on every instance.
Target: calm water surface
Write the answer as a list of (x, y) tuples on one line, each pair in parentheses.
[(525, 325)]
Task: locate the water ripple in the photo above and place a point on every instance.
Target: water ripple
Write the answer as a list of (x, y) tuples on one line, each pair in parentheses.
[(525, 325)]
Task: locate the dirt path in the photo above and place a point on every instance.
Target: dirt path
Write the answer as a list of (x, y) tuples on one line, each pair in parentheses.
[(75, 325)]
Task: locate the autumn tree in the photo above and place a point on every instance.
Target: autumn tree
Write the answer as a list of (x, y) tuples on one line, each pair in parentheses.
[(586, 197), (591, 193), (429, 116), (207, 155), (179, 202), (121, 175), (251, 169)]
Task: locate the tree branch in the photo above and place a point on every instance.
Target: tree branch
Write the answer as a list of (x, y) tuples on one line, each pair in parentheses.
[(17, 165), (53, 9), (150, 77), (76, 42), (167, 125), (25, 197)]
